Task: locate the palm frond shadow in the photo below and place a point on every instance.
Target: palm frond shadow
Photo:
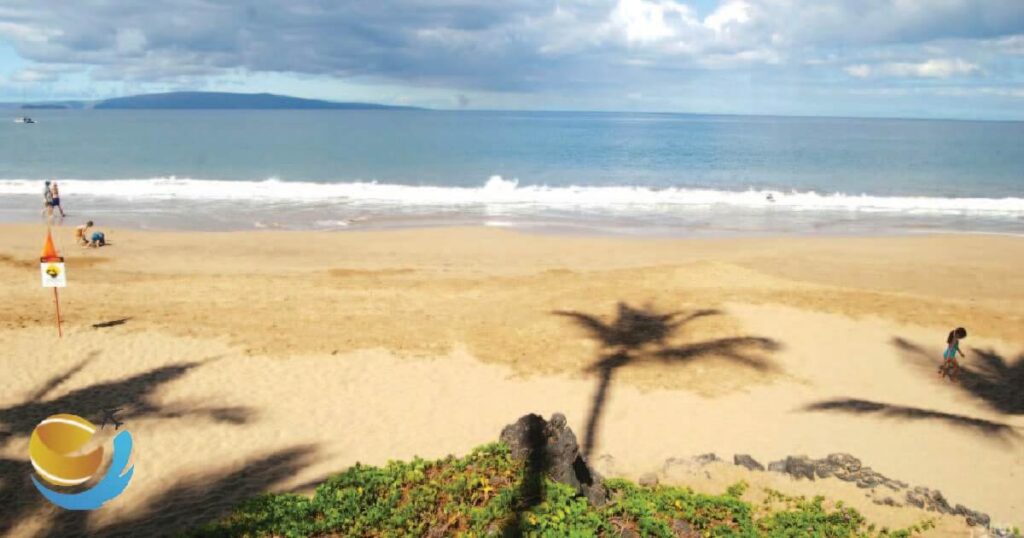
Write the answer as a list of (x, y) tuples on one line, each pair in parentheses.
[(18, 497), (998, 430), (132, 395), (60, 378), (642, 334), (989, 377), (194, 501)]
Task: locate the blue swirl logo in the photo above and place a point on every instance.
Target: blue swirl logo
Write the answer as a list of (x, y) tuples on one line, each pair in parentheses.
[(53, 450)]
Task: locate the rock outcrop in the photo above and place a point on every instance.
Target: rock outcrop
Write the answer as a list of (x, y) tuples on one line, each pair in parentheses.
[(848, 468), (550, 448), (745, 460)]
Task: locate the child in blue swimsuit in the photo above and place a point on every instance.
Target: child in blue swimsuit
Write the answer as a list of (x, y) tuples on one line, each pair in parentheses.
[(950, 367), (98, 240)]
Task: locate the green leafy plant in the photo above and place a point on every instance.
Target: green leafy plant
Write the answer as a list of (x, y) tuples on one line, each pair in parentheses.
[(481, 495)]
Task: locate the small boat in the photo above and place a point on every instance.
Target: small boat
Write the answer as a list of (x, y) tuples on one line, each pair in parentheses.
[(24, 119)]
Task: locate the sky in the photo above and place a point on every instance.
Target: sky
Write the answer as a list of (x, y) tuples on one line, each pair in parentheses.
[(884, 58)]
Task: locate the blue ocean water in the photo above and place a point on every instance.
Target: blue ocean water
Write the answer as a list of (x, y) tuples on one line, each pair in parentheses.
[(610, 172)]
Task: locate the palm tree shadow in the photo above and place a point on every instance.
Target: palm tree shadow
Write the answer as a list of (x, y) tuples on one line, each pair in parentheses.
[(133, 395), (990, 378), (195, 501), (641, 334), (998, 430), (994, 380), (60, 378)]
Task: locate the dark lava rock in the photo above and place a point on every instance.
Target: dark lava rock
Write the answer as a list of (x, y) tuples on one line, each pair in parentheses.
[(842, 466), (745, 460), (795, 466), (550, 447), (705, 459), (973, 518), (845, 462), (848, 468), (915, 499), (800, 467), (929, 499)]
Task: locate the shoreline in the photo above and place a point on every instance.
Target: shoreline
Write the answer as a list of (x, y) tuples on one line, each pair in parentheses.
[(532, 229), (387, 344), (612, 210)]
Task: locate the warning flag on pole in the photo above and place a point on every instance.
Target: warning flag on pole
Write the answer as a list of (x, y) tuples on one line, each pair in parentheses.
[(49, 251), (51, 266)]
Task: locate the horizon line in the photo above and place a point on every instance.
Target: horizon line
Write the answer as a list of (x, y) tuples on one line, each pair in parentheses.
[(421, 108)]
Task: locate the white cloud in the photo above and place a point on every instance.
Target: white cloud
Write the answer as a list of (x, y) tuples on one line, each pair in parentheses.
[(934, 68), (646, 21), (665, 33), (859, 71), (567, 47), (728, 16), (27, 33), (1011, 45), (32, 76), (765, 56), (40, 73), (1004, 92), (947, 91)]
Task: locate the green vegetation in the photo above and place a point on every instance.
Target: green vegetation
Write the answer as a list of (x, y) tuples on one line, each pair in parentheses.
[(480, 495)]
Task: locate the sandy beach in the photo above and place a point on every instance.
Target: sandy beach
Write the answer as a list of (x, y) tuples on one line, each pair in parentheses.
[(247, 362)]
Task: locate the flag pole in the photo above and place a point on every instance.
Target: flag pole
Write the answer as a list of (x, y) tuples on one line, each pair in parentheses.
[(52, 265), (56, 301)]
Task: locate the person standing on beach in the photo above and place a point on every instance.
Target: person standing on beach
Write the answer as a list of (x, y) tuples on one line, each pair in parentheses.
[(56, 199), (950, 367), (47, 199)]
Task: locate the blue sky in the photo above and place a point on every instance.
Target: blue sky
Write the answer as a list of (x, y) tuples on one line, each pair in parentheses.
[(901, 58)]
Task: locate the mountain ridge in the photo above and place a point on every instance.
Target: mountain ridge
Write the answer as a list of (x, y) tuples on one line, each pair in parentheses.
[(191, 100)]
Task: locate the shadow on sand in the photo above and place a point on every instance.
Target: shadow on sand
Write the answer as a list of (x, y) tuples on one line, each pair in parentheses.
[(641, 334), (865, 407), (989, 377), (111, 323), (191, 502), (18, 497)]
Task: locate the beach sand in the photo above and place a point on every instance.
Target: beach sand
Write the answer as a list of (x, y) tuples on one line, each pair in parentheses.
[(265, 361)]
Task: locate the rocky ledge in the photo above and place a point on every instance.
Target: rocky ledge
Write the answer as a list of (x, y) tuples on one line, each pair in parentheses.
[(850, 469), (550, 448)]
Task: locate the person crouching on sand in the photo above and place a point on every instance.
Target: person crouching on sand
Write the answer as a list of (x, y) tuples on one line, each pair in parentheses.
[(98, 240), (82, 234), (950, 367)]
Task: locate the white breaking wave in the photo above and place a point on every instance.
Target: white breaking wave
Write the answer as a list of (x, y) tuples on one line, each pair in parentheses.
[(497, 193)]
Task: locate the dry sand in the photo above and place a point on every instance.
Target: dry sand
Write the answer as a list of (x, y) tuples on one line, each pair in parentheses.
[(264, 361)]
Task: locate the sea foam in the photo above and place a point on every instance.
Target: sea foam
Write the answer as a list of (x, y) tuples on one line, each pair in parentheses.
[(499, 193)]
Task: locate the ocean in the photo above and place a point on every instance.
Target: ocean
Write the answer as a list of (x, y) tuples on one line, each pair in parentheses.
[(615, 173)]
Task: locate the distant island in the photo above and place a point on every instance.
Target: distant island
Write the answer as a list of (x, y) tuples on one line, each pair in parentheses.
[(213, 101), (45, 106)]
